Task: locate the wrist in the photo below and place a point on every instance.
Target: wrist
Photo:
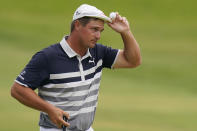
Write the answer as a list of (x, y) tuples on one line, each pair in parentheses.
[(126, 32), (49, 108)]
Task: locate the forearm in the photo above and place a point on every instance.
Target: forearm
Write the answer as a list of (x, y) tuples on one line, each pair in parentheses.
[(131, 49), (29, 98)]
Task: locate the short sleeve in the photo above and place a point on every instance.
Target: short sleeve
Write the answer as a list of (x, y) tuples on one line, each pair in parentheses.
[(108, 54), (35, 73)]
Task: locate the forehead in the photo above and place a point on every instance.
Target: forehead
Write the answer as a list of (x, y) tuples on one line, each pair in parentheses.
[(96, 23)]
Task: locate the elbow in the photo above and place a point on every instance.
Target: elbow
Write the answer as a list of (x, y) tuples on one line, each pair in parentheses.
[(139, 62), (136, 63), (134, 60), (13, 91)]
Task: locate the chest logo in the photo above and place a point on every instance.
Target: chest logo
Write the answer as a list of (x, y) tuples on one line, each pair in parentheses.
[(91, 61)]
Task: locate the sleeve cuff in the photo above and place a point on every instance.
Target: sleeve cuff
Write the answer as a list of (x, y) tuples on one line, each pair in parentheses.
[(21, 83), (112, 67)]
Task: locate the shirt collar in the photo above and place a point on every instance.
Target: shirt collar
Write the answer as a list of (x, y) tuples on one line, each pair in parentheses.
[(69, 51)]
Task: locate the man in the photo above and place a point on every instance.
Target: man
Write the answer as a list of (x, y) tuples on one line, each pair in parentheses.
[(68, 74)]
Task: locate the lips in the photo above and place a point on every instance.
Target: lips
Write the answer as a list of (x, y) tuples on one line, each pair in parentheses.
[(94, 41)]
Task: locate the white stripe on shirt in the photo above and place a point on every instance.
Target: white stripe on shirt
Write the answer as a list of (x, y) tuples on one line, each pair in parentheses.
[(76, 74), (70, 94), (74, 84)]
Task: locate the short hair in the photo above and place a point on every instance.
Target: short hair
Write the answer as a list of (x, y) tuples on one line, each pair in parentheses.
[(84, 21)]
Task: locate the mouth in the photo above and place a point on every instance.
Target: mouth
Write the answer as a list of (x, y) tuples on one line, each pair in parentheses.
[(94, 41)]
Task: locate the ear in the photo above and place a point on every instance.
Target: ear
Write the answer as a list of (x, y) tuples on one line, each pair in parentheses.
[(77, 25)]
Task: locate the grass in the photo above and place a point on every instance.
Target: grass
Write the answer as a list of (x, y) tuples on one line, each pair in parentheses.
[(160, 95)]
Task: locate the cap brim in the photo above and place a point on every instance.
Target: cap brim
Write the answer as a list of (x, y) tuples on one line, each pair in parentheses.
[(105, 18), (102, 17)]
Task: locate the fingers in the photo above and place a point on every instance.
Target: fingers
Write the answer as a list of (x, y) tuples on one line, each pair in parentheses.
[(66, 114), (64, 123), (118, 18), (59, 125), (56, 116), (113, 20), (60, 122), (119, 24)]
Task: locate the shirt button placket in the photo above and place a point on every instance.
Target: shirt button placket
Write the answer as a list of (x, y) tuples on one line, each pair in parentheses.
[(81, 69)]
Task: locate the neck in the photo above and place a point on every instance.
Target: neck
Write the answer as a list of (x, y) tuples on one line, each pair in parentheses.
[(75, 43)]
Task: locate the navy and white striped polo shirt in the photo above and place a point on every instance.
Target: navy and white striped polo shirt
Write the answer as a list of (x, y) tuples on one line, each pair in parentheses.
[(68, 81)]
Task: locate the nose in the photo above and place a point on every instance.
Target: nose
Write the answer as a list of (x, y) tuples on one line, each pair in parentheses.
[(98, 35)]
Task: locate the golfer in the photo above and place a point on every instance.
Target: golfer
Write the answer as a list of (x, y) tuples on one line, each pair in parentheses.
[(67, 74)]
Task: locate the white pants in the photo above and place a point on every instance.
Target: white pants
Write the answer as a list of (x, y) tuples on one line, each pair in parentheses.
[(55, 129)]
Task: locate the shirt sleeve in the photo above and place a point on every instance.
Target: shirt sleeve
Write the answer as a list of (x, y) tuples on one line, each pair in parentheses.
[(35, 73), (109, 55)]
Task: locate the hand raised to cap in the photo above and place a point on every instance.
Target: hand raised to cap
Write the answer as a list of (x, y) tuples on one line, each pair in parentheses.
[(119, 24)]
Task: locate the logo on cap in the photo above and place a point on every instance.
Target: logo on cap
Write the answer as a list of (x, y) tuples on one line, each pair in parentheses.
[(77, 13)]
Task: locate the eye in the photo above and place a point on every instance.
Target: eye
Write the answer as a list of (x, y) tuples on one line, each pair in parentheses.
[(95, 29)]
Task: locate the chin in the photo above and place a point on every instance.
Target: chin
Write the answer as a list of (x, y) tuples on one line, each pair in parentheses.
[(92, 45)]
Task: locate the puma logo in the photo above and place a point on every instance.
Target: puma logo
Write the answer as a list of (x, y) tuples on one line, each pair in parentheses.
[(91, 61)]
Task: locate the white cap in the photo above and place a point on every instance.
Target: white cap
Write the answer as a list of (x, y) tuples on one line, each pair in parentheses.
[(90, 11)]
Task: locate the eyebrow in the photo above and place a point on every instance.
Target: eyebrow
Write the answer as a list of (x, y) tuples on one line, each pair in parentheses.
[(98, 27)]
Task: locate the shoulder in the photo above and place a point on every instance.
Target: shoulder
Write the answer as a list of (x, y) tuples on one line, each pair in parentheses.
[(98, 48), (47, 53), (52, 51), (101, 49), (97, 51), (55, 48)]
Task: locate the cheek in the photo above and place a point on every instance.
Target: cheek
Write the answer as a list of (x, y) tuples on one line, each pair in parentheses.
[(86, 34)]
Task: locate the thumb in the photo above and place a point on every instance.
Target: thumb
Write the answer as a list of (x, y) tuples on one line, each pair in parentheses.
[(66, 114), (110, 24)]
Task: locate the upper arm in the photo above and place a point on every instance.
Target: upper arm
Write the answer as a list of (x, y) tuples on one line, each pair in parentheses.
[(121, 61), (35, 72), (17, 90)]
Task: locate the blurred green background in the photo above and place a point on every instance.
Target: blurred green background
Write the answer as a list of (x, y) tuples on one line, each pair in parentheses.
[(160, 95)]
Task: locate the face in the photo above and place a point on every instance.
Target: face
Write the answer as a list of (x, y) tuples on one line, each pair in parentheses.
[(90, 33)]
